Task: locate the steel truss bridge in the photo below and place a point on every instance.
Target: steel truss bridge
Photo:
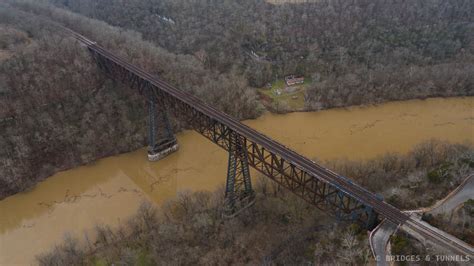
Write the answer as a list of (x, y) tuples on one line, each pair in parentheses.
[(317, 185)]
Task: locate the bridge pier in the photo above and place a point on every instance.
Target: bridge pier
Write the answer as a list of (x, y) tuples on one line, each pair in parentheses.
[(371, 218), (162, 142), (364, 215), (239, 194)]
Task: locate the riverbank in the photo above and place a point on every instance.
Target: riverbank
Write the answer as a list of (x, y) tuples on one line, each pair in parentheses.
[(91, 117), (58, 115), (190, 230), (110, 189), (179, 231)]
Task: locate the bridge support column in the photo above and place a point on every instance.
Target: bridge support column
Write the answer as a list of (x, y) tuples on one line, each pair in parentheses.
[(161, 140), (364, 215), (239, 194), (371, 218)]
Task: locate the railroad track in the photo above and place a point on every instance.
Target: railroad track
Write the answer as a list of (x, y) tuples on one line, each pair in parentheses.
[(353, 190)]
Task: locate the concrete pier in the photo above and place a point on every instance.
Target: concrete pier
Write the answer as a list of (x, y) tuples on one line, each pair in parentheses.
[(163, 150)]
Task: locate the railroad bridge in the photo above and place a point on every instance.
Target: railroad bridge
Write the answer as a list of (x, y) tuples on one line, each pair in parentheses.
[(317, 185)]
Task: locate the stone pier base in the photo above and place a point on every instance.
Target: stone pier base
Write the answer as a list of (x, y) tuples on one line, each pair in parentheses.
[(158, 154)]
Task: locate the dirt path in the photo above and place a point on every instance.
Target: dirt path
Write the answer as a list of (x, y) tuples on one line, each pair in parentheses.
[(462, 194), (380, 236)]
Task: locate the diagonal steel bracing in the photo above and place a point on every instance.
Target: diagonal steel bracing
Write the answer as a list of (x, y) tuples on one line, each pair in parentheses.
[(238, 193)]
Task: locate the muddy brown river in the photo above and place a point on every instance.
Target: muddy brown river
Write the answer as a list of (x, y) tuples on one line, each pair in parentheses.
[(110, 190)]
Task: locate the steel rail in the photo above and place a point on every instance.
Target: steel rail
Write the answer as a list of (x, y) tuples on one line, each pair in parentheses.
[(316, 171)]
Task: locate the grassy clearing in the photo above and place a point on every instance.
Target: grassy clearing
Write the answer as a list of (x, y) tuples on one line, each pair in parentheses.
[(286, 101)]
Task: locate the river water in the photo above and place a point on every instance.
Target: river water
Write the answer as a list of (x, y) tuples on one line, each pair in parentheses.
[(110, 190)]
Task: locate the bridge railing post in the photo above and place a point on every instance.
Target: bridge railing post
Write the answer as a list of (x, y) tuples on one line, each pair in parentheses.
[(239, 193)]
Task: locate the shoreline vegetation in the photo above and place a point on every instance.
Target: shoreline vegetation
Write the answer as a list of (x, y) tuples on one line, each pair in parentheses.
[(280, 228), (59, 111)]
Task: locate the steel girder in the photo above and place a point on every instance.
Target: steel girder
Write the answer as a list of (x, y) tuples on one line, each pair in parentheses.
[(313, 189)]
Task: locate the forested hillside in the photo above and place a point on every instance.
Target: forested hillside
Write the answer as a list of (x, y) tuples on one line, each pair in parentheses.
[(57, 110), (356, 51)]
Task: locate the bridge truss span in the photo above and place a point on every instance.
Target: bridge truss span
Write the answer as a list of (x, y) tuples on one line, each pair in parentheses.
[(260, 150), (312, 182)]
